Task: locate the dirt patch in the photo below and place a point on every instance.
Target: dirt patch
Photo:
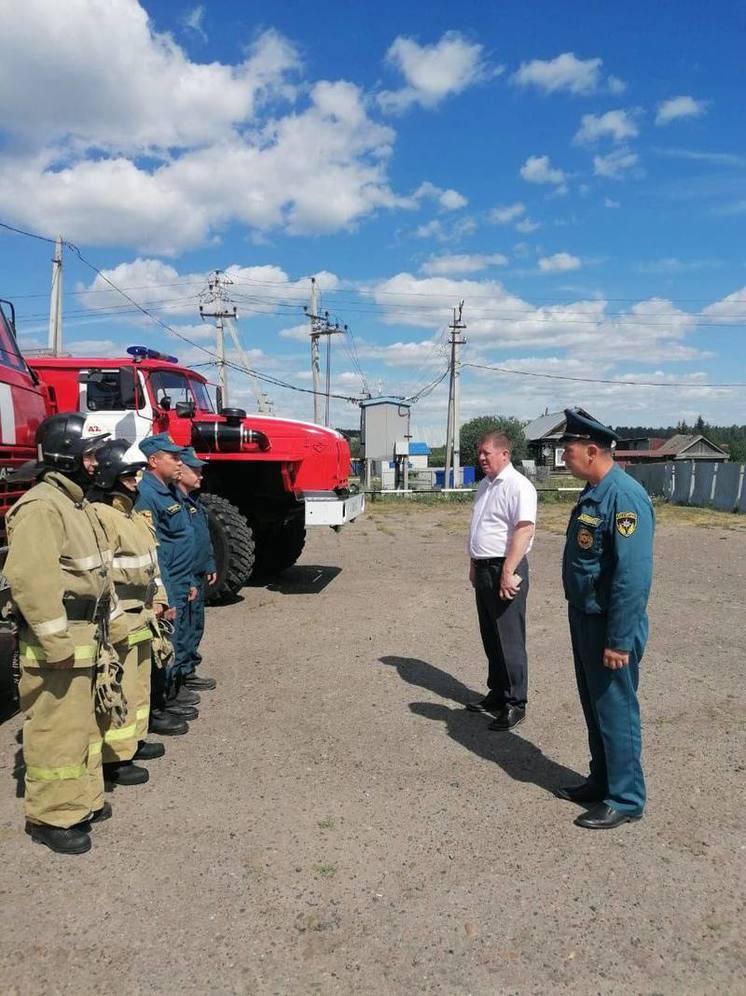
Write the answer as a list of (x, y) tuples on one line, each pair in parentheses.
[(336, 822)]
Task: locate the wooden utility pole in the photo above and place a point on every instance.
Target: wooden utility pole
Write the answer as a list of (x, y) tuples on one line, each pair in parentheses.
[(453, 428)]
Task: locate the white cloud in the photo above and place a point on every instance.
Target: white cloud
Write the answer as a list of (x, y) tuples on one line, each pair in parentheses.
[(730, 309), (617, 125), (139, 91), (448, 199), (526, 226), (433, 72), (255, 289), (194, 20), (699, 156), (462, 263), (679, 107), (611, 203), (320, 170), (538, 169), (615, 164), (453, 232), (560, 262), (566, 72), (506, 213), (299, 333)]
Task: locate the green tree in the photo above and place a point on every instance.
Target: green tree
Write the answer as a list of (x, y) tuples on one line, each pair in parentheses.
[(476, 427)]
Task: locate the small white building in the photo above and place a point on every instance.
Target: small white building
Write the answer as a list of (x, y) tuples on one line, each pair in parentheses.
[(419, 454)]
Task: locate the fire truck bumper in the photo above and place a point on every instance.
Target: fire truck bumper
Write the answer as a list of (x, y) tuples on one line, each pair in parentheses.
[(325, 508)]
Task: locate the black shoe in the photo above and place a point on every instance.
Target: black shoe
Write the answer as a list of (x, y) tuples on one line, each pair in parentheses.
[(201, 683), (105, 813), (125, 773), (58, 839), (166, 725), (583, 793), (148, 752), (603, 817), (486, 705), (181, 711), (185, 696), (512, 716)]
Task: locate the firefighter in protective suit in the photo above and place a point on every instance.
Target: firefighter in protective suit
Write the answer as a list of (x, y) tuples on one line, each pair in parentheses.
[(58, 568), (141, 598)]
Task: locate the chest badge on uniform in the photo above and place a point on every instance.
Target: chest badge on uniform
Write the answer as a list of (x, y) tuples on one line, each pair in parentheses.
[(585, 539), (173, 509), (626, 523)]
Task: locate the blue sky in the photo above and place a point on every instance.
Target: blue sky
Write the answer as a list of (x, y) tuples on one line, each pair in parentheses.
[(575, 173)]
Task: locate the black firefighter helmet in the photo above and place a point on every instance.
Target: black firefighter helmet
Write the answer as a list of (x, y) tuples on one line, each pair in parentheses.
[(61, 443), (112, 465)]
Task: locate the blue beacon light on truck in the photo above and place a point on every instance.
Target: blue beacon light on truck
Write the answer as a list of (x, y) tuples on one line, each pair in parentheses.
[(143, 353)]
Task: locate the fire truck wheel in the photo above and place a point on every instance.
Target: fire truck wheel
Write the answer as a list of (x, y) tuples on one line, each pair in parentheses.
[(277, 549), (233, 545)]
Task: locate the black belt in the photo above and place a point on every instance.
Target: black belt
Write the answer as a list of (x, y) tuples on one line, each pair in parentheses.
[(487, 561)]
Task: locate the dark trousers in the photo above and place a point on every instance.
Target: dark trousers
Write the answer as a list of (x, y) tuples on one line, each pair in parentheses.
[(611, 710), (196, 628), (503, 628)]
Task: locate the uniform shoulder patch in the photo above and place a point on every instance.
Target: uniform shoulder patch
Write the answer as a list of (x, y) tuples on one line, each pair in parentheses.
[(147, 515), (591, 520), (626, 523)]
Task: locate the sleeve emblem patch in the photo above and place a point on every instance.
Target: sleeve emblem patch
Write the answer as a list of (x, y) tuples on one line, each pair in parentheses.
[(626, 523), (585, 539)]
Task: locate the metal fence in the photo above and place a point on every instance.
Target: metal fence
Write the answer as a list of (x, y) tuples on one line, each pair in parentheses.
[(693, 482)]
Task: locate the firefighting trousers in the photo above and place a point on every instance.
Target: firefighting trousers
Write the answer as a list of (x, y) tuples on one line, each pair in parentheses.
[(61, 745), (120, 743)]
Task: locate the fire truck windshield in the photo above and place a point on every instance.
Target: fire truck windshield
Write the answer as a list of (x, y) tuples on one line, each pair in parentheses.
[(178, 387), (10, 355)]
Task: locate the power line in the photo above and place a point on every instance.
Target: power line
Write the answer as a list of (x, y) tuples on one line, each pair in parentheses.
[(598, 380)]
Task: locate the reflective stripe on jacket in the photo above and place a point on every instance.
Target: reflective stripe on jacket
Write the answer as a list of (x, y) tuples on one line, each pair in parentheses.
[(58, 567)]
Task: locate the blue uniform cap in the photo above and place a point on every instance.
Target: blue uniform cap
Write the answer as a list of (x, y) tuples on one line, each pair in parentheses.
[(580, 425), (161, 443), (190, 458)]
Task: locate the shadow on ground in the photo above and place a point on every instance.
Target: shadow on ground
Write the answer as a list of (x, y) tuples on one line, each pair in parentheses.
[(519, 758), (304, 579)]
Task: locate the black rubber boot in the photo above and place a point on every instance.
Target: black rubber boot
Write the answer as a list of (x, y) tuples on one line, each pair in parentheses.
[(182, 711), (200, 683), (61, 840), (148, 752), (185, 696), (105, 813), (125, 773), (166, 725)]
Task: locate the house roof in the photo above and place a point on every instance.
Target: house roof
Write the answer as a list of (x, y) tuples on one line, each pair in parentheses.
[(419, 449), (681, 443), (551, 424)]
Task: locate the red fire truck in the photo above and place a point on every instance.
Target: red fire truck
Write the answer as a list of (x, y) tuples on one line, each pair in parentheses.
[(267, 478)]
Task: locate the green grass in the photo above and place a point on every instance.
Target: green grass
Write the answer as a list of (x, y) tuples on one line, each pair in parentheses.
[(325, 871), (327, 823)]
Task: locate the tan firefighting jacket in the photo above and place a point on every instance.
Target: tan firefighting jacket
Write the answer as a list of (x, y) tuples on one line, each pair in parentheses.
[(58, 568), (135, 568)]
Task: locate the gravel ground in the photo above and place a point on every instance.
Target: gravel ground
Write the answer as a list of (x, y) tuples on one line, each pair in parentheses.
[(336, 822)]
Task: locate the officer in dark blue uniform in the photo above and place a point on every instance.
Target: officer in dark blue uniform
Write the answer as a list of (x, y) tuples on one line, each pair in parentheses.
[(204, 564), (160, 501), (607, 571)]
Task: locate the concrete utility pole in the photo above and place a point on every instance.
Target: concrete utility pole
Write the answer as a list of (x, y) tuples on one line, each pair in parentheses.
[(55, 301), (320, 325), (217, 296), (453, 440)]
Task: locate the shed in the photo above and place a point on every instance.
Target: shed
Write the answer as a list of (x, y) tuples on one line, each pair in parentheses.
[(542, 437), (678, 447), (418, 455)]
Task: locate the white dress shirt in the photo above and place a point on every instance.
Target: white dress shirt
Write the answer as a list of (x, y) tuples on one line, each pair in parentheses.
[(500, 503)]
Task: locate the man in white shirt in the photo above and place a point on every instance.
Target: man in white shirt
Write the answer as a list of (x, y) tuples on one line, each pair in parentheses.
[(500, 537)]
